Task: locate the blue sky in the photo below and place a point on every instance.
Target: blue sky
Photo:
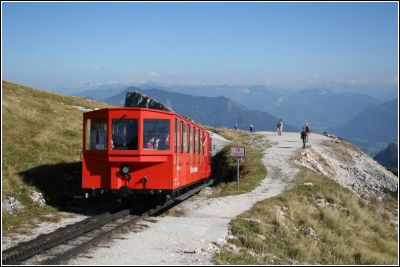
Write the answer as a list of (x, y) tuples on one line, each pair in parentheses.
[(76, 45)]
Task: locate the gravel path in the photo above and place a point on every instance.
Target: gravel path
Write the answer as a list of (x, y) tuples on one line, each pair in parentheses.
[(193, 236)]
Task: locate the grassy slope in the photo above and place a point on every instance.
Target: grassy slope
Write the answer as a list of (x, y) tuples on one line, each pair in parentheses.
[(40, 130), (350, 230), (252, 170)]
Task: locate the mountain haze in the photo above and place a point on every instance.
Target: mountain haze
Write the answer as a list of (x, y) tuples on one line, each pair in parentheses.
[(377, 125), (389, 157), (321, 108), (214, 111)]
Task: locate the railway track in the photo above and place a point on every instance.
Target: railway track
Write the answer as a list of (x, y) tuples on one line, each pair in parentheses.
[(62, 244)]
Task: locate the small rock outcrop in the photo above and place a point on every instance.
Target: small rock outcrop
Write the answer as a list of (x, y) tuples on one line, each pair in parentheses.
[(11, 204), (38, 198), (139, 100), (308, 231), (309, 161)]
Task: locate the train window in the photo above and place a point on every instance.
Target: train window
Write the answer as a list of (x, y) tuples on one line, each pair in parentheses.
[(176, 135), (190, 139), (179, 142), (96, 134), (181, 136), (156, 134), (201, 143), (196, 140), (124, 134), (184, 137)]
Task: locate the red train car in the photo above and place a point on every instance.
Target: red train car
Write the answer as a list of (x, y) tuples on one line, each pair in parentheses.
[(140, 150)]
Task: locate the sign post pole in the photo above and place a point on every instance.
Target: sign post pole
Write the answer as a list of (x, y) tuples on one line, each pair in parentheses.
[(238, 152), (238, 166)]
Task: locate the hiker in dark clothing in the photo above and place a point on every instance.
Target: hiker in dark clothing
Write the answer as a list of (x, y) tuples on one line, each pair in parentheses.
[(308, 130), (279, 127), (303, 136)]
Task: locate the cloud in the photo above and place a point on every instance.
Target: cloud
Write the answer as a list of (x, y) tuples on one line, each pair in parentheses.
[(358, 82), (269, 81), (307, 79), (279, 101), (152, 74), (178, 73), (88, 85)]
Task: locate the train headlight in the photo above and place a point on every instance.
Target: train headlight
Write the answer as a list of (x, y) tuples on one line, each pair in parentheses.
[(125, 169)]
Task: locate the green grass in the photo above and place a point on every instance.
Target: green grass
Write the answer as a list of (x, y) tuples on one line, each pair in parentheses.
[(252, 170), (350, 230), (42, 142)]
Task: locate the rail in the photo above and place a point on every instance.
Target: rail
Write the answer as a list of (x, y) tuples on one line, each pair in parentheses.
[(66, 235)]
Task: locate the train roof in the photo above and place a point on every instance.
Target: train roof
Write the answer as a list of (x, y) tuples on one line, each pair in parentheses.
[(145, 109), (133, 109)]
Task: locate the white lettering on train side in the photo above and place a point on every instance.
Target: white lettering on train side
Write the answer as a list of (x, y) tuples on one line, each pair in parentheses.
[(194, 169)]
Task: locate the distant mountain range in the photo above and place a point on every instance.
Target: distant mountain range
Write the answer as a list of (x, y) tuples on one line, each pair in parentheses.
[(351, 115), (214, 111), (389, 157), (240, 93), (373, 128), (322, 109)]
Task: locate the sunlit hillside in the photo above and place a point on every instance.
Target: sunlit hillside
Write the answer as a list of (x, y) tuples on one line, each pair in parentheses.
[(42, 142)]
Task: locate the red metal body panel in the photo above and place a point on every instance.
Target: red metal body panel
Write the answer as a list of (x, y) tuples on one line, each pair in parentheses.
[(169, 169)]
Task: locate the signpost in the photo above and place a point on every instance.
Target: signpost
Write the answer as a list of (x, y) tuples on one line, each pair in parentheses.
[(238, 152)]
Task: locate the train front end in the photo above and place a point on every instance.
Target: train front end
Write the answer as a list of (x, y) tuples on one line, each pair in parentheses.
[(117, 154)]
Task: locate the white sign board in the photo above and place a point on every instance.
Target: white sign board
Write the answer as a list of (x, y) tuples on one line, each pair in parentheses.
[(237, 151)]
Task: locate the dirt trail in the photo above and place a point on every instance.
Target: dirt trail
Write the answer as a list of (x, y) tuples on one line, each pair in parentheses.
[(191, 237)]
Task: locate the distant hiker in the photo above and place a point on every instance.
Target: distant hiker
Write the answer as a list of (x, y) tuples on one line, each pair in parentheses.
[(251, 128), (303, 137), (235, 126), (279, 127), (307, 129)]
